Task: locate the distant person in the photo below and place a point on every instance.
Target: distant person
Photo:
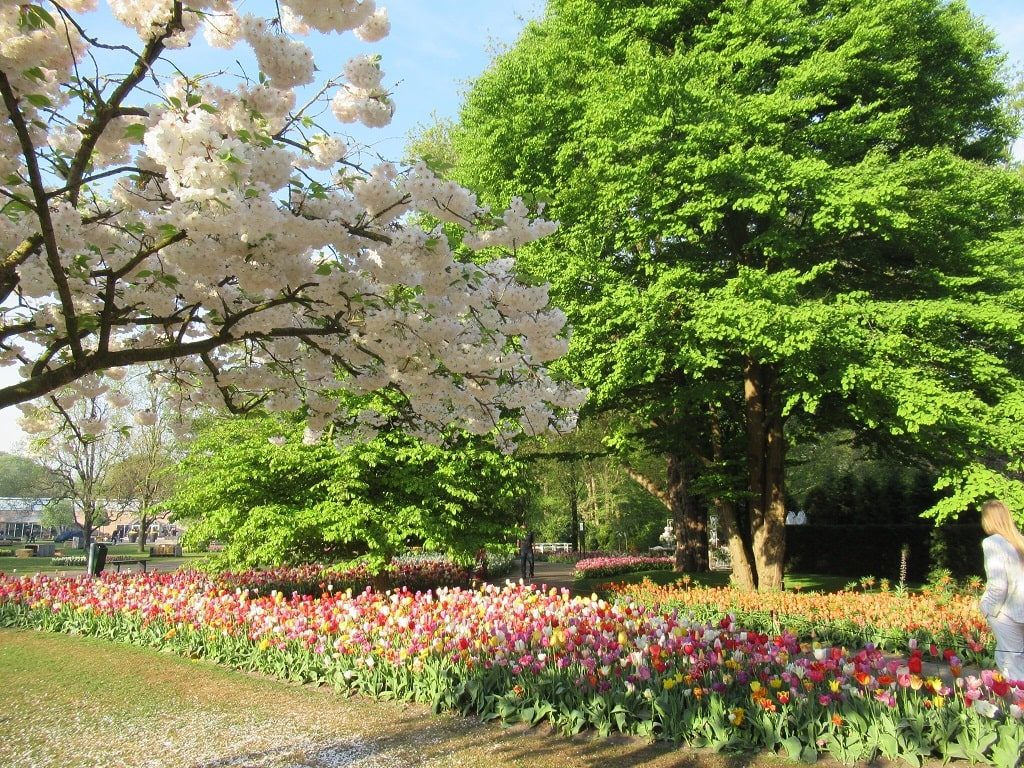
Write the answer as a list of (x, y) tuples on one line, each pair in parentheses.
[(526, 553), (1002, 604), (481, 564)]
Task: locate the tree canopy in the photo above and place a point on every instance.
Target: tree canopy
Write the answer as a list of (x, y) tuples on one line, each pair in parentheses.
[(772, 209), (20, 476), (255, 486)]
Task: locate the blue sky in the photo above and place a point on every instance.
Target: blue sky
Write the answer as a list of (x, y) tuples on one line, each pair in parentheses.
[(437, 46)]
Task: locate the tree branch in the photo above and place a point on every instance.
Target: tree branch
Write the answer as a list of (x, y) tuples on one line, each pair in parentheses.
[(648, 485), (106, 111), (49, 237)]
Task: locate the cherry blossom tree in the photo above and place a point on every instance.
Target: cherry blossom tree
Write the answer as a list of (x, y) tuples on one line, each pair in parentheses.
[(209, 224)]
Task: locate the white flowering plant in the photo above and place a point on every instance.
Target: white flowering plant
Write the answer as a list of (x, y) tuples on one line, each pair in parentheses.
[(207, 225)]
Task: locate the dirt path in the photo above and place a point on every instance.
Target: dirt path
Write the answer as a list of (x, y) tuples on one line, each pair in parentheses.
[(547, 575)]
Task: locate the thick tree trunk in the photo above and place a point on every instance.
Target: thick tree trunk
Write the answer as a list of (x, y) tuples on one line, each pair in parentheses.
[(740, 555), (594, 507), (688, 522), (574, 513), (765, 473), (143, 527), (88, 515)]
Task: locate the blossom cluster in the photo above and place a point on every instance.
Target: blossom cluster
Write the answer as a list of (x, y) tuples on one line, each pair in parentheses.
[(596, 567), (508, 651), (220, 232)]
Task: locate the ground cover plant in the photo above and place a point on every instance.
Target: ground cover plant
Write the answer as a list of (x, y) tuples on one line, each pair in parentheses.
[(889, 619), (571, 557), (521, 655)]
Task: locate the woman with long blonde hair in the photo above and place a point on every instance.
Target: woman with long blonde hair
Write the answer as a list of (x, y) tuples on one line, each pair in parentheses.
[(1003, 601)]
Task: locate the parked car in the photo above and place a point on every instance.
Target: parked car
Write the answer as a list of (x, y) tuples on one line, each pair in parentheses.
[(68, 535)]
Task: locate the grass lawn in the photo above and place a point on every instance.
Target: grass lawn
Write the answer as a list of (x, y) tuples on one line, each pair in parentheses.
[(23, 565), (73, 702)]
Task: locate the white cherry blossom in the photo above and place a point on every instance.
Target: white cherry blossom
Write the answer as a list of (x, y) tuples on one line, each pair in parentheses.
[(209, 226)]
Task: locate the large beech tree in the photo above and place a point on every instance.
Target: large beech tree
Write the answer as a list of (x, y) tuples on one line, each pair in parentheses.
[(207, 222), (767, 209)]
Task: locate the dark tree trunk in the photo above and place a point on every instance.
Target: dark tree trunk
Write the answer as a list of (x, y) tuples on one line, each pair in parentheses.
[(88, 517), (765, 473), (741, 556), (689, 521), (574, 515)]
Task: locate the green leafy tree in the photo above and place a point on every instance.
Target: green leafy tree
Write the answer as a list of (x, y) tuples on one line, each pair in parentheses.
[(769, 210), (21, 476), (59, 514), (578, 479), (254, 485)]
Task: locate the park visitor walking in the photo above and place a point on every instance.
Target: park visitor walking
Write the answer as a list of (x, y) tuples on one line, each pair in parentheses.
[(1003, 601), (526, 553)]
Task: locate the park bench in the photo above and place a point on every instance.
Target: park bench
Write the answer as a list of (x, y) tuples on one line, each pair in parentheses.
[(118, 563)]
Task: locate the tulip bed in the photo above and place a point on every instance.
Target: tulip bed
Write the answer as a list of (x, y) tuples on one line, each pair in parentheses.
[(604, 566), (521, 655), (571, 557), (890, 620)]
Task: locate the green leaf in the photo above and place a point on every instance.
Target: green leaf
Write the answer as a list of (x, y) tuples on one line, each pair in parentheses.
[(38, 100), (794, 747), (14, 209), (135, 131), (34, 17)]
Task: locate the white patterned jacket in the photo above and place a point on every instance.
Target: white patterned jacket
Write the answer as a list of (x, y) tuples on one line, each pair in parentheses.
[(1005, 571)]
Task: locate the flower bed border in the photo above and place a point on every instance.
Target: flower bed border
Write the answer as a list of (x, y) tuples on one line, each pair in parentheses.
[(902, 724)]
